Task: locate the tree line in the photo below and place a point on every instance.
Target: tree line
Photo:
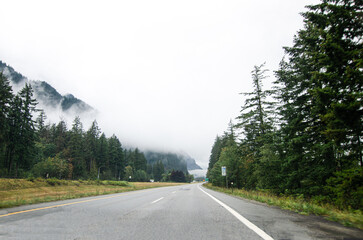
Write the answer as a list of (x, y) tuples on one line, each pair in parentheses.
[(31, 148), (303, 136)]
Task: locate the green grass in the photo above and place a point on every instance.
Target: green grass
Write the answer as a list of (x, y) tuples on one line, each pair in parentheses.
[(17, 192), (351, 218)]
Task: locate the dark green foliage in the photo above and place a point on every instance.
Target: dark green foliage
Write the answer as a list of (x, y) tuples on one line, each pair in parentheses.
[(171, 161), (33, 148), (91, 148), (77, 150), (313, 147), (215, 153), (320, 90), (36, 149), (177, 176), (346, 188), (139, 160), (52, 168), (115, 157), (21, 137), (158, 171), (6, 96), (141, 176)]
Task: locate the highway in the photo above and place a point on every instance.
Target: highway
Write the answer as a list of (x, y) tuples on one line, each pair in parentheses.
[(181, 212)]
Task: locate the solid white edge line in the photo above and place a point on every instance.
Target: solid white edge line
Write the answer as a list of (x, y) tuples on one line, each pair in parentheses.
[(157, 200), (250, 225)]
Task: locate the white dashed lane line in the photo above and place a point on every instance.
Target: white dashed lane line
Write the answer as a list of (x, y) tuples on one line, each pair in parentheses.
[(157, 200)]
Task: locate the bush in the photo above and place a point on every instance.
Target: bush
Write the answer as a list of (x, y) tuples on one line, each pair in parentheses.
[(346, 188), (52, 168), (141, 176)]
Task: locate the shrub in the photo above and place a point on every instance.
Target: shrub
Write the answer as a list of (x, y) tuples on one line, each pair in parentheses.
[(52, 167), (346, 188)]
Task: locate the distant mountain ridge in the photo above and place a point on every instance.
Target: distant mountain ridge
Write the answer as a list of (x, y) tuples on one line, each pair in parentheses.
[(172, 161), (47, 96), (191, 164)]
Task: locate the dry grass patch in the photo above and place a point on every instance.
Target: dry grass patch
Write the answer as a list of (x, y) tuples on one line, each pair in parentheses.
[(16, 192)]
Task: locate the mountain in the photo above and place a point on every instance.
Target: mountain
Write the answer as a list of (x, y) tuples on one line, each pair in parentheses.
[(182, 162), (191, 164), (56, 105), (47, 96)]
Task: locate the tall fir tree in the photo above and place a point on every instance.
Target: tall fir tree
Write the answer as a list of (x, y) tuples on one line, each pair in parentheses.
[(321, 91), (92, 148), (76, 150), (256, 124), (116, 160), (6, 98)]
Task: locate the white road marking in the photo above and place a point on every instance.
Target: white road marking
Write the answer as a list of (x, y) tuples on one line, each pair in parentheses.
[(250, 225), (174, 192), (157, 200)]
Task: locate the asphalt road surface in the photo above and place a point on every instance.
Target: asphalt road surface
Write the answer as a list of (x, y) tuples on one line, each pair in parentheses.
[(180, 212)]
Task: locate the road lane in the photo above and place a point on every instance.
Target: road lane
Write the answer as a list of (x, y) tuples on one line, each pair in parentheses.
[(187, 214), (180, 212), (242, 219)]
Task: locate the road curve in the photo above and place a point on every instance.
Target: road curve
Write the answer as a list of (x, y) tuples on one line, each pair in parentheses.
[(180, 212)]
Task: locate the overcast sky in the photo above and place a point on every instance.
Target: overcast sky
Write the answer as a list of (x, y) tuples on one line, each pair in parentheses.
[(163, 74)]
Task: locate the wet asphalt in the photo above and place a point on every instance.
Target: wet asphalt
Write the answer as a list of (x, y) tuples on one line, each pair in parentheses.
[(180, 212)]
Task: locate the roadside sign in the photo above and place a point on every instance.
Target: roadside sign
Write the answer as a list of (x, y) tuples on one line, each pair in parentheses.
[(224, 171)]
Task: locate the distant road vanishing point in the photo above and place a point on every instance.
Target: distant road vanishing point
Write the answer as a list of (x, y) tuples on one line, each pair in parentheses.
[(179, 212)]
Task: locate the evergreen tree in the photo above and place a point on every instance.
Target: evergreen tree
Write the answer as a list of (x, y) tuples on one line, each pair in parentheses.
[(60, 136), (40, 124), (76, 150), (6, 98), (255, 119), (158, 171), (225, 143), (14, 141), (91, 148), (116, 158), (256, 124), (139, 160), (23, 139), (177, 176), (321, 91), (103, 151)]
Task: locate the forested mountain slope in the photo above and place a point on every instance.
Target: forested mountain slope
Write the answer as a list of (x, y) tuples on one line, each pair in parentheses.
[(47, 96)]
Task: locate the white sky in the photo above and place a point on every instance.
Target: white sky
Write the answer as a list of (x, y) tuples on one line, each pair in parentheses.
[(163, 74)]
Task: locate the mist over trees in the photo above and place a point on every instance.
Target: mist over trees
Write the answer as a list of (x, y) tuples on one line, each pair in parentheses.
[(32, 148), (304, 136)]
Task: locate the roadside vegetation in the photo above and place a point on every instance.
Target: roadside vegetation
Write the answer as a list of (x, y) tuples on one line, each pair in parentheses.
[(299, 144), (32, 147), (17, 192), (348, 217)]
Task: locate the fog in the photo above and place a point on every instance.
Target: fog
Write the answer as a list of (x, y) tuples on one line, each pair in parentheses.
[(162, 74)]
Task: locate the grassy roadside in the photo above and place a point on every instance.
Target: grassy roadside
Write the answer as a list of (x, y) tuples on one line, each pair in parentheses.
[(350, 218), (16, 192)]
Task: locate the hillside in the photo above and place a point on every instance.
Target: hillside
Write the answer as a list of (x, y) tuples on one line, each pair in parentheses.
[(47, 96), (182, 162)]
